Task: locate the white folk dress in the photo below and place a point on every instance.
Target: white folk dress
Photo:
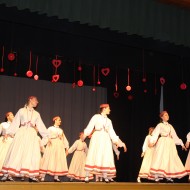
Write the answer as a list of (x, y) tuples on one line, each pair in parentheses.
[(54, 160), (76, 168), (4, 143), (23, 156), (100, 157), (147, 159), (166, 162), (187, 163)]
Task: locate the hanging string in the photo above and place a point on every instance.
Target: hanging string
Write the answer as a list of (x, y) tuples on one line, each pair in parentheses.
[(30, 60), (36, 64), (116, 85), (98, 82), (143, 63), (128, 77), (2, 59), (155, 86), (94, 75), (56, 67)]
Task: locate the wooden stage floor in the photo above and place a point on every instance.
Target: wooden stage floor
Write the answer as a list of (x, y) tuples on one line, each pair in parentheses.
[(92, 186)]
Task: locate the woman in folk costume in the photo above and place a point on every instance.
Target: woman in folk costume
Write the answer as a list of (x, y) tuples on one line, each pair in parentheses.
[(147, 153), (187, 163), (76, 168), (54, 160), (100, 159), (5, 142), (23, 156), (165, 161)]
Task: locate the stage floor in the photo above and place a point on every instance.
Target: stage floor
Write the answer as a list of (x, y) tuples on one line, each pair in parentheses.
[(92, 186)]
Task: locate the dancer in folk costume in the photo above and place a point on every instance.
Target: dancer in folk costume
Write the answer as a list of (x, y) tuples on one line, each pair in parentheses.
[(117, 153), (5, 142), (54, 160), (23, 156), (165, 161), (76, 168), (187, 163), (100, 159), (147, 153)]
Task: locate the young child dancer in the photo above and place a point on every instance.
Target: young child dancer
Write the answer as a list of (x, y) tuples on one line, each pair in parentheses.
[(147, 153), (5, 142), (187, 163), (76, 168), (54, 160), (165, 161)]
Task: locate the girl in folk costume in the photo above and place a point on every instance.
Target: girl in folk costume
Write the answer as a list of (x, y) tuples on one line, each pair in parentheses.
[(76, 168), (147, 153), (187, 163), (117, 153), (165, 161), (54, 160), (100, 159), (23, 156), (5, 142)]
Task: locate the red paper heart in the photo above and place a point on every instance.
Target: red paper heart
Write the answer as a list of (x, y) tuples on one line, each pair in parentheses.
[(55, 78), (56, 62), (105, 71)]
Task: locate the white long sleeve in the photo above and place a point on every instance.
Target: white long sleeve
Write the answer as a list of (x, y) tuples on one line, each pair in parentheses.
[(188, 137), (100, 122)]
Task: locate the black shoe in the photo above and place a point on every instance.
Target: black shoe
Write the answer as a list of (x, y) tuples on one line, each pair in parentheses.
[(33, 180), (57, 180)]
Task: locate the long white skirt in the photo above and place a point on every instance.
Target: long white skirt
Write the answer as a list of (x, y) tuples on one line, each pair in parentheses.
[(146, 163), (100, 157), (187, 163), (166, 162), (54, 160), (76, 168), (23, 156), (4, 146)]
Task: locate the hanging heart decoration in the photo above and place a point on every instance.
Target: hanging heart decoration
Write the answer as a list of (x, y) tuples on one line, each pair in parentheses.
[(11, 56), (29, 73), (105, 71), (36, 77), (98, 82), (128, 87), (80, 83), (183, 86), (162, 80), (56, 63), (55, 78), (116, 94)]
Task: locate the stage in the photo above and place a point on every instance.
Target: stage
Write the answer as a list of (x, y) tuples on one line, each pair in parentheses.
[(92, 186)]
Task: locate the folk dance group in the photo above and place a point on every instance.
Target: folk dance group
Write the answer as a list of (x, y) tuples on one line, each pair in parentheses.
[(21, 148), (160, 156)]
